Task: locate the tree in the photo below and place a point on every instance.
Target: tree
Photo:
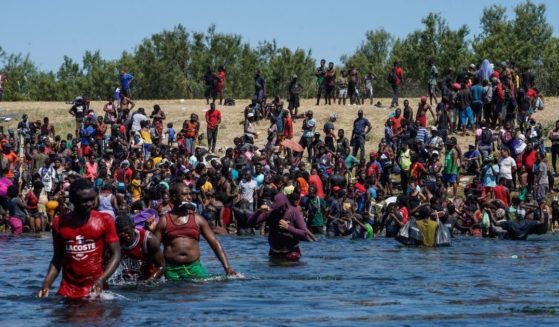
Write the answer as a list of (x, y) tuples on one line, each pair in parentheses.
[(446, 47)]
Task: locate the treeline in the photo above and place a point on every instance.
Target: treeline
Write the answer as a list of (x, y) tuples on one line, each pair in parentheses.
[(171, 64)]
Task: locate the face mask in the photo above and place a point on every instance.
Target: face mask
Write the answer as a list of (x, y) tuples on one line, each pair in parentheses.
[(187, 205)]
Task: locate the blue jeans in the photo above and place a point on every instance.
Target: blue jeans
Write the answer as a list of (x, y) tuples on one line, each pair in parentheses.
[(190, 145)]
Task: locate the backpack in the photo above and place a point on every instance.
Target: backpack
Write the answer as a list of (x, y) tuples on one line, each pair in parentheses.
[(499, 93), (392, 76), (486, 136), (327, 127)]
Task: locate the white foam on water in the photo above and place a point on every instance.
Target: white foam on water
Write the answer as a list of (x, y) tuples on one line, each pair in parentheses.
[(109, 296)]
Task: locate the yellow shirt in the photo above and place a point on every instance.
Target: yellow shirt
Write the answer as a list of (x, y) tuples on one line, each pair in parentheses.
[(136, 190), (146, 135), (51, 207), (428, 230), (156, 161), (207, 187)]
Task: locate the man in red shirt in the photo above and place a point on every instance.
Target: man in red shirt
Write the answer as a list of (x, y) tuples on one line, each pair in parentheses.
[(396, 79), (528, 161), (500, 192), (141, 251), (79, 241), (213, 119)]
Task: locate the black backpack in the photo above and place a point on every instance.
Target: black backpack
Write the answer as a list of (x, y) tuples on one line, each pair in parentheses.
[(392, 76), (486, 136)]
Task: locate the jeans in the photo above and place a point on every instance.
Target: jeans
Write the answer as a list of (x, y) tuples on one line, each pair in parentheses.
[(190, 145), (359, 144), (212, 138)]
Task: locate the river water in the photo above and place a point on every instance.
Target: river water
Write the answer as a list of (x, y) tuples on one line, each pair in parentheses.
[(339, 282)]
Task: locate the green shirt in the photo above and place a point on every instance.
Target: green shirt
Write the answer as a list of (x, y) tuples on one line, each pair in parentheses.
[(369, 235), (316, 219), (350, 162), (448, 164)]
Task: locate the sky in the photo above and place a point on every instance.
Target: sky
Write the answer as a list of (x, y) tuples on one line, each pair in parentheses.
[(48, 30)]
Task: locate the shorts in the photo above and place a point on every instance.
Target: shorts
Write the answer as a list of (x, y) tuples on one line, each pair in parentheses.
[(209, 91), (342, 93), (306, 141), (293, 255), (293, 102), (194, 270), (540, 191), (466, 115), (369, 93), (449, 178), (431, 88), (422, 121)]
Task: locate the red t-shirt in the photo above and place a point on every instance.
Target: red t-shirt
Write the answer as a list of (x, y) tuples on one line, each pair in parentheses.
[(288, 128), (137, 252), (529, 159), (31, 200), (213, 117), (405, 214), (83, 251), (399, 74), (501, 194), (315, 181), (396, 123), (417, 171)]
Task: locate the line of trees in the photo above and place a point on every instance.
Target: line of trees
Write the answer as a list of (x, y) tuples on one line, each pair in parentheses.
[(170, 64)]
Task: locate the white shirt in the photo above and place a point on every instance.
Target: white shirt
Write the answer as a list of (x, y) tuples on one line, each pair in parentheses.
[(247, 189), (505, 167), (136, 120)]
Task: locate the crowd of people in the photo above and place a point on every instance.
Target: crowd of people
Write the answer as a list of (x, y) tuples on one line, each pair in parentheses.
[(125, 186)]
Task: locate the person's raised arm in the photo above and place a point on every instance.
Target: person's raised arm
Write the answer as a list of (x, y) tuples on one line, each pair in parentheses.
[(214, 244)]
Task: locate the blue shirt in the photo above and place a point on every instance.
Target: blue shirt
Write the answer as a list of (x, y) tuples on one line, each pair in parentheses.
[(489, 175), (86, 133), (309, 132), (171, 132), (421, 135), (125, 80), (359, 126), (477, 93), (471, 154), (279, 122), (388, 135)]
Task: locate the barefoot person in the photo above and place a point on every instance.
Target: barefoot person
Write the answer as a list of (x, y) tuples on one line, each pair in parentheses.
[(287, 228), (79, 241), (180, 231), (142, 249)]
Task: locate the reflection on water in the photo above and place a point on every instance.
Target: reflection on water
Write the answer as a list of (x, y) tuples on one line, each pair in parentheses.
[(338, 282)]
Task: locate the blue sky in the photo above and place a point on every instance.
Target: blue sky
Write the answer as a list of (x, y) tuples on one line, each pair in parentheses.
[(48, 30)]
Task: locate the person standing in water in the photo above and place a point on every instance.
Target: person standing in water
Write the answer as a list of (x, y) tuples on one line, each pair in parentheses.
[(286, 228), (142, 248), (79, 241), (180, 231)]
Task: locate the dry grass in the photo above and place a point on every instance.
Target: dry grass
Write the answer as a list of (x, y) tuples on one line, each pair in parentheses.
[(177, 111)]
